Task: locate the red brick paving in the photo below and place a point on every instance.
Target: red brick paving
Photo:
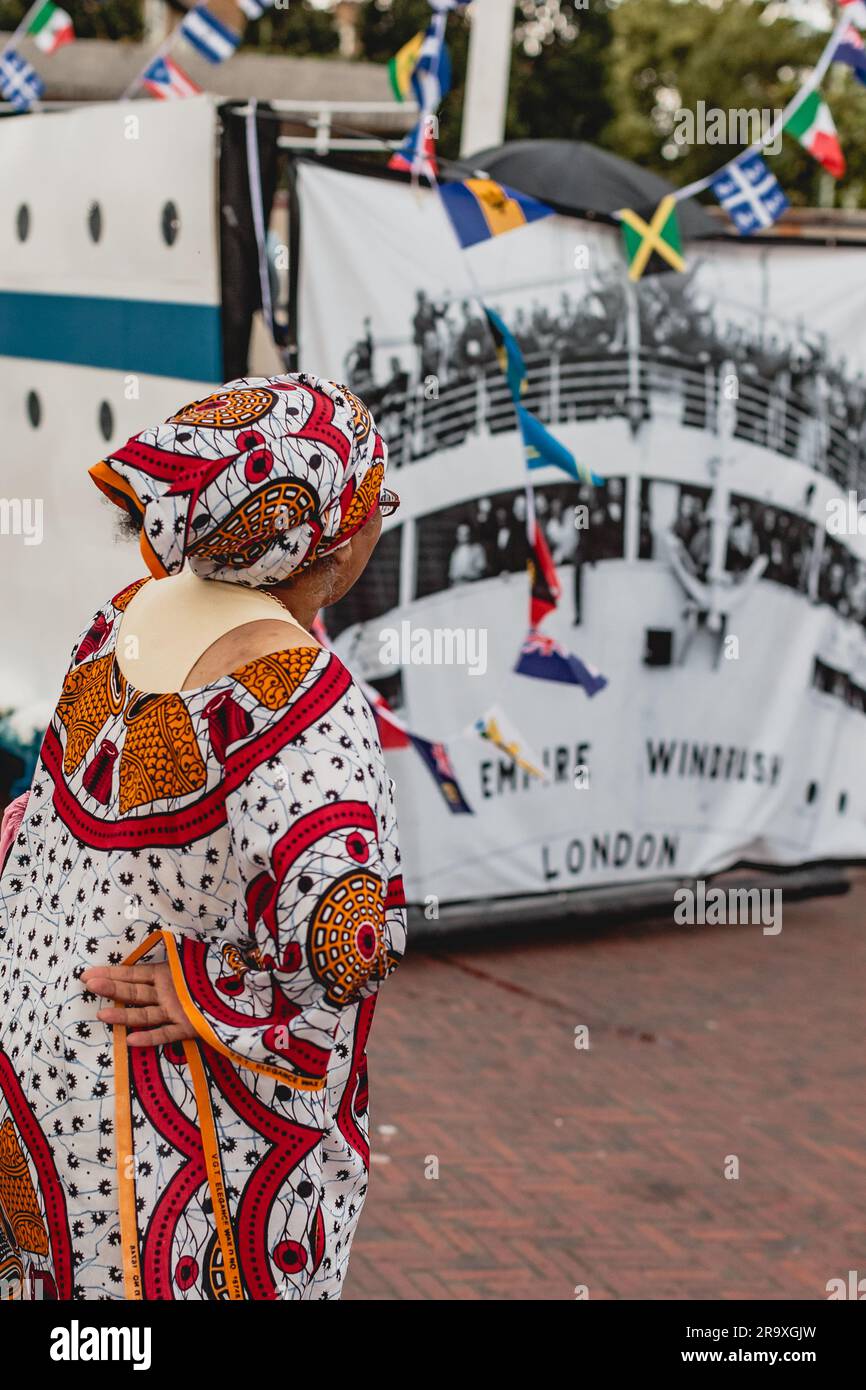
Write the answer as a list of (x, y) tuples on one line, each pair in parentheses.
[(560, 1167)]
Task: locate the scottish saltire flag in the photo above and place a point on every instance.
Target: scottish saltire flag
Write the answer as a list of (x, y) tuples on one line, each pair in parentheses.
[(402, 66), (480, 209), (254, 9), (852, 50), (497, 729), (213, 39), (20, 83), (544, 659), (167, 81), (438, 763), (750, 194)]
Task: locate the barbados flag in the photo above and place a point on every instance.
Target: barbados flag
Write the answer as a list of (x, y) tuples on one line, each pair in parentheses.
[(480, 209)]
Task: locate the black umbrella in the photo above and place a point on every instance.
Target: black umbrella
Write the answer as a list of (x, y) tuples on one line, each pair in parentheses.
[(577, 178)]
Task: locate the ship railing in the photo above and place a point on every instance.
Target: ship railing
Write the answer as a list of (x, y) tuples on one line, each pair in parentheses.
[(450, 406)]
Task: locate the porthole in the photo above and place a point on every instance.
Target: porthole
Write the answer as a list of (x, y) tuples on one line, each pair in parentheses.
[(106, 420), (22, 222), (170, 223), (34, 409), (94, 221)]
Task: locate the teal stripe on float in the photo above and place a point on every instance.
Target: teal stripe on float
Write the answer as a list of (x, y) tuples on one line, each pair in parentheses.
[(120, 335)]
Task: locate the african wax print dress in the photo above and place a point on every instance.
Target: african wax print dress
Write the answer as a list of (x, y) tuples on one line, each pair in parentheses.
[(244, 832)]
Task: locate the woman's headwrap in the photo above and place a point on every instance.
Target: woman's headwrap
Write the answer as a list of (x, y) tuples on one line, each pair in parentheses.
[(253, 483)]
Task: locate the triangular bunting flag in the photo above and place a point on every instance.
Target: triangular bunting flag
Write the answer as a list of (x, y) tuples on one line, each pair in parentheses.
[(50, 27), (812, 124), (544, 586), (498, 730), (435, 756), (750, 194)]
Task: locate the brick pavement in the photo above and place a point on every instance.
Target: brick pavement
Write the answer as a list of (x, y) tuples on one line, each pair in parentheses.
[(560, 1167)]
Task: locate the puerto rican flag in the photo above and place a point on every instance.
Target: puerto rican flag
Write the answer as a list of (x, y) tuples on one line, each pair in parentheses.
[(168, 82)]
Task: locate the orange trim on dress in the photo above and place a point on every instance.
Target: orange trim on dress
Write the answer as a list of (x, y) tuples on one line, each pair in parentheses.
[(213, 1166), (205, 1031), (125, 1168)]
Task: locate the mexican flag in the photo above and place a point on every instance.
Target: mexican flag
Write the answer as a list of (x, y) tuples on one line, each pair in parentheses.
[(51, 27), (812, 124)]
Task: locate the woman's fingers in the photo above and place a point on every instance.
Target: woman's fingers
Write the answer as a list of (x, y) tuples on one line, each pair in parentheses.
[(158, 1037), (126, 991), (149, 1017), (132, 974), (156, 1016)]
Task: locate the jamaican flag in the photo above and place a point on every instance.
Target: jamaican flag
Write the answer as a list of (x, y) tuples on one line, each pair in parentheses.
[(652, 246)]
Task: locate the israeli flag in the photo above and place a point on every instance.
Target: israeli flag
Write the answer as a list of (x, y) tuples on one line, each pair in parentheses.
[(205, 32), (20, 84), (750, 194)]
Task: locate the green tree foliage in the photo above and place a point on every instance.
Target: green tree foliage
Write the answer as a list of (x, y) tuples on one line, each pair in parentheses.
[(387, 24), (669, 55), (558, 64), (618, 73), (301, 30), (559, 86), (93, 19)]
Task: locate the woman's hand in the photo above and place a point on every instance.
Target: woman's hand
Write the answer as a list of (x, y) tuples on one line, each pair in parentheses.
[(152, 1002)]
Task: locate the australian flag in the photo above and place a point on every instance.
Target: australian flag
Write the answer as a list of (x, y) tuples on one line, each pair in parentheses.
[(20, 83), (546, 660), (852, 50), (750, 194)]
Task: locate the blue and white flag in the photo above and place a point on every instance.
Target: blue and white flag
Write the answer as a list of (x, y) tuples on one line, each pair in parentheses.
[(20, 83), (254, 9), (750, 194), (213, 39)]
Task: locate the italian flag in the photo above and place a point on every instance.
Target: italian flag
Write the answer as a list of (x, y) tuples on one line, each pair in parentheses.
[(51, 27), (812, 124)]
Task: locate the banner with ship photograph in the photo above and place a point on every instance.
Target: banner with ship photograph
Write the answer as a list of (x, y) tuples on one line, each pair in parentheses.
[(695, 694)]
